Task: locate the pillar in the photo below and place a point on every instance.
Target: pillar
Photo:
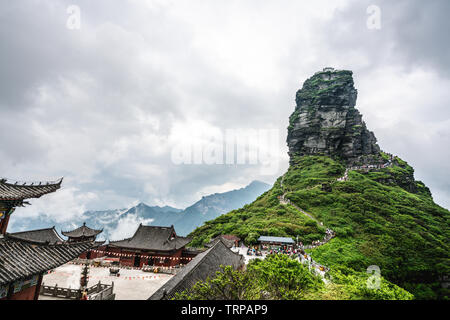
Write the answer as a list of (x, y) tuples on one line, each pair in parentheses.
[(4, 219)]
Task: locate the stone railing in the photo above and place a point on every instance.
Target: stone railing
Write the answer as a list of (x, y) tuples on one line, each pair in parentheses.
[(103, 292), (157, 269), (57, 292), (96, 292)]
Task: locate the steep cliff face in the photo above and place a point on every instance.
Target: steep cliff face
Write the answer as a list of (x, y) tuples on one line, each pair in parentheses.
[(326, 122)]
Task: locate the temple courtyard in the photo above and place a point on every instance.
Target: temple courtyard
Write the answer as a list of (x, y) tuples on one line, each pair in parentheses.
[(130, 285)]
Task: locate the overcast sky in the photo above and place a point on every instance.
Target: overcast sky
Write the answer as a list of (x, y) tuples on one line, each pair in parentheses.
[(107, 104)]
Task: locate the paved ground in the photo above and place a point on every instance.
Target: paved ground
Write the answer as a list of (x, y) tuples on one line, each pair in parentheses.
[(243, 250), (131, 285)]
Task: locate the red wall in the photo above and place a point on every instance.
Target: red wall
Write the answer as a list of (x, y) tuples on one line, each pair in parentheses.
[(27, 294), (31, 293), (129, 260), (94, 254), (4, 224)]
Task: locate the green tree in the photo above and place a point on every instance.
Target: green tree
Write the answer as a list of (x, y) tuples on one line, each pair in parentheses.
[(228, 284), (283, 277)]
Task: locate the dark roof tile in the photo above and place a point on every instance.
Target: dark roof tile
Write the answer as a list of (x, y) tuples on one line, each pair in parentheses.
[(21, 259), (204, 265), (82, 231), (153, 238), (48, 235), (16, 191)]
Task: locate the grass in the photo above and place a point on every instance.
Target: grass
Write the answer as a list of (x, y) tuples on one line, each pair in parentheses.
[(383, 218)]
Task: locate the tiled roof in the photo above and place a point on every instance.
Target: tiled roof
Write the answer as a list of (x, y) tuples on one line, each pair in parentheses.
[(82, 231), (229, 243), (275, 239), (21, 259), (20, 191), (48, 235), (152, 238), (231, 237), (204, 265)]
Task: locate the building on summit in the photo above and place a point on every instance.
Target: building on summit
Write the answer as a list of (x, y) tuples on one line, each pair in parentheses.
[(26, 256)]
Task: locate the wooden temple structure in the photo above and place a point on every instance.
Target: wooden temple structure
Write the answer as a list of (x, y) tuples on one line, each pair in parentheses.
[(42, 236), (151, 245), (81, 234), (26, 256)]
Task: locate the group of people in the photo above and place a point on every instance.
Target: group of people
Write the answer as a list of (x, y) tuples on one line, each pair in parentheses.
[(329, 234), (288, 251), (253, 252)]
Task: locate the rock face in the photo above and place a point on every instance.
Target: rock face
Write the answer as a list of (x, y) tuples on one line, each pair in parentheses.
[(326, 122)]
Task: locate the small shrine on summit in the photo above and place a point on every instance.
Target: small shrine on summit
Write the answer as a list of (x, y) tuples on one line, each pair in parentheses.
[(83, 233)]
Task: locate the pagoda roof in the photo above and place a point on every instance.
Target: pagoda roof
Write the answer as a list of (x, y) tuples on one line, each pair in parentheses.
[(21, 259), (153, 238), (82, 231), (204, 265), (42, 236), (21, 190)]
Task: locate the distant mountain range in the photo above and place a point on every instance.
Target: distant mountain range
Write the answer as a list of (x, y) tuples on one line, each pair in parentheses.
[(121, 223)]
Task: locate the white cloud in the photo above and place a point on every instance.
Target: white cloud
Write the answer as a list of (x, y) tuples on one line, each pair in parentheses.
[(67, 204), (105, 105), (127, 226)]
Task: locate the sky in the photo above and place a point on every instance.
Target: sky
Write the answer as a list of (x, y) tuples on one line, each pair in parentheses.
[(112, 95)]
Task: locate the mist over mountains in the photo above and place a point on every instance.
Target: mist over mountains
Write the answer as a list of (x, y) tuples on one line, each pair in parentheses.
[(121, 223)]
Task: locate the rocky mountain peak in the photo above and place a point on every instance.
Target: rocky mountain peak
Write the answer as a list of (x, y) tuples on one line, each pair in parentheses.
[(326, 122)]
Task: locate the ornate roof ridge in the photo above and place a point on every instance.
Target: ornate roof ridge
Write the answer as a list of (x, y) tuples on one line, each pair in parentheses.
[(82, 229), (10, 237), (21, 259), (36, 233), (31, 183)]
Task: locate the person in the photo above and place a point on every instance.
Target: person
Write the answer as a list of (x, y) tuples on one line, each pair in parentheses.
[(84, 295)]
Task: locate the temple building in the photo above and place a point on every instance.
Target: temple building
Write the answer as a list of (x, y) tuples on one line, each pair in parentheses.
[(26, 256), (229, 240), (151, 245), (14, 195), (84, 233), (42, 236)]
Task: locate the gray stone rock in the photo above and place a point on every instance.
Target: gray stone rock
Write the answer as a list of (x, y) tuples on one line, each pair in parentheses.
[(326, 122)]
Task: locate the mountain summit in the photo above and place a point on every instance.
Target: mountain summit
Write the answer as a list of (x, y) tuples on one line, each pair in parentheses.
[(340, 181), (326, 122)]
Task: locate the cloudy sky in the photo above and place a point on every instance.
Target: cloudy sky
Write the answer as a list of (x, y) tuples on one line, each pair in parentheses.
[(109, 104)]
